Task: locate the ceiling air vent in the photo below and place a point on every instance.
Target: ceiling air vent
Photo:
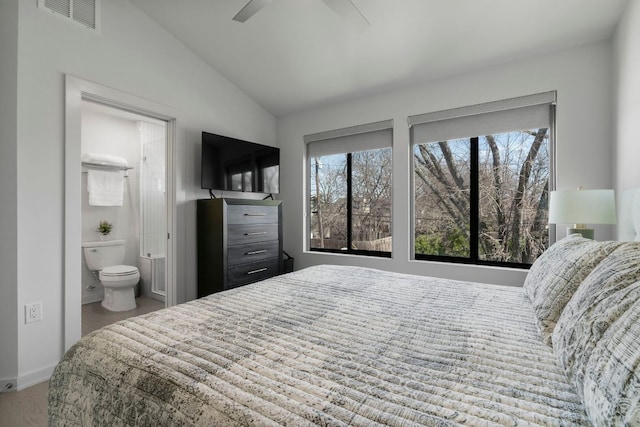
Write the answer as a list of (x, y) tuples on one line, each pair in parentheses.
[(83, 12)]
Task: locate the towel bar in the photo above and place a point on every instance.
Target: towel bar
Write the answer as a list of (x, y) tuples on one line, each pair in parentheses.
[(107, 167)]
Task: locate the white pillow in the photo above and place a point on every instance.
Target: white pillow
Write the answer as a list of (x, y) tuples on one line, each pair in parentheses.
[(556, 274)]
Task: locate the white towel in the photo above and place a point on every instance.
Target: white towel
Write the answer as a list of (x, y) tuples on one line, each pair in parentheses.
[(104, 159), (106, 188)]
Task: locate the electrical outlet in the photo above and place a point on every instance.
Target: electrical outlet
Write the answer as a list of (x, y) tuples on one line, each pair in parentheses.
[(33, 312), (7, 385)]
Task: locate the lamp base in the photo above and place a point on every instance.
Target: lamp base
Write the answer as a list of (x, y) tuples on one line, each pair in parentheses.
[(587, 233)]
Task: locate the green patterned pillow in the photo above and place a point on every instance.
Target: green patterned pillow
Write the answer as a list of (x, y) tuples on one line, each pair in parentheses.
[(597, 338), (556, 274)]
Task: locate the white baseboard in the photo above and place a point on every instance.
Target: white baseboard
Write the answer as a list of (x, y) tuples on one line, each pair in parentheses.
[(90, 299), (35, 377)]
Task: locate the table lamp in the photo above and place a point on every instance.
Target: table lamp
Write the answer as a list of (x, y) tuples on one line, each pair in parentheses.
[(581, 207)]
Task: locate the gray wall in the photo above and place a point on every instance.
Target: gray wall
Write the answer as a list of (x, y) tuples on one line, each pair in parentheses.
[(627, 105)]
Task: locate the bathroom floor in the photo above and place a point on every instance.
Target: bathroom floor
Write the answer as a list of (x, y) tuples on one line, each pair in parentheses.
[(94, 316)]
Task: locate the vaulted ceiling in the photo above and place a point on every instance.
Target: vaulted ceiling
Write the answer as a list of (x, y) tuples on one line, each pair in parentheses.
[(295, 55)]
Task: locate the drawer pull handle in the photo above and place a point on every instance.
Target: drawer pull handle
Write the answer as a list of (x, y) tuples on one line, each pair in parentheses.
[(255, 214), (256, 252), (260, 270), (257, 233)]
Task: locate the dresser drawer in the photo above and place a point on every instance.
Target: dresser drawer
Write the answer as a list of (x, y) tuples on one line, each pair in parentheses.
[(238, 234), (252, 252), (251, 214), (248, 273)]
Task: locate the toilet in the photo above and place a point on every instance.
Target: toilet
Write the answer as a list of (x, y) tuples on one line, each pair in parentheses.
[(117, 279)]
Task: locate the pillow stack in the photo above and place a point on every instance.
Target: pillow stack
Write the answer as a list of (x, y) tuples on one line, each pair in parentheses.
[(586, 297), (597, 339)]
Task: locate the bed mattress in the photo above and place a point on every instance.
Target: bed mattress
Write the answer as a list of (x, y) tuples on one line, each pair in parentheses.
[(327, 345)]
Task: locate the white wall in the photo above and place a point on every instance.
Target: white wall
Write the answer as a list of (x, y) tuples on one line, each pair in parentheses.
[(132, 54), (8, 192), (627, 104), (582, 77), (106, 134)]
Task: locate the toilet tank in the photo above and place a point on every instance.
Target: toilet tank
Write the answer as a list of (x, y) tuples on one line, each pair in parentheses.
[(98, 255)]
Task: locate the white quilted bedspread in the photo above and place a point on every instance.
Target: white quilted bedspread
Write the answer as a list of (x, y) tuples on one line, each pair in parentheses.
[(327, 345)]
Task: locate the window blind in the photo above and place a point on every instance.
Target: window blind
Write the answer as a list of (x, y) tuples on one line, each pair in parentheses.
[(527, 112), (349, 140)]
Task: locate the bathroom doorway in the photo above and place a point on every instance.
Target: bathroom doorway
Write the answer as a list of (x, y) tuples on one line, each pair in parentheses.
[(136, 216), (121, 106)]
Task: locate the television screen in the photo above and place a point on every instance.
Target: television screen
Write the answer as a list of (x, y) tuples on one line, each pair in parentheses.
[(236, 165)]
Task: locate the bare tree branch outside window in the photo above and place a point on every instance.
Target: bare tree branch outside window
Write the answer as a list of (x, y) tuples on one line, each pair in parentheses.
[(513, 185), (370, 214)]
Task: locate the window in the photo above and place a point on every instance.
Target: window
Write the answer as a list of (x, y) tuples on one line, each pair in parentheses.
[(240, 176), (349, 196), (481, 181), (269, 172)]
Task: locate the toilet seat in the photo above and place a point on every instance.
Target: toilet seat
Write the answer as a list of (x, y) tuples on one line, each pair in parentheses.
[(118, 282), (119, 271)]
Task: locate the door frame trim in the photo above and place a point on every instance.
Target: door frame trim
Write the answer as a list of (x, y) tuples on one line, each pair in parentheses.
[(77, 90)]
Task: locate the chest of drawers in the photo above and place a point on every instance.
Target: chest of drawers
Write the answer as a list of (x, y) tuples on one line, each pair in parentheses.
[(239, 242)]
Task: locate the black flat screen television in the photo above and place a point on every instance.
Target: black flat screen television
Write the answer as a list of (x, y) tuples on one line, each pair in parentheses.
[(235, 165)]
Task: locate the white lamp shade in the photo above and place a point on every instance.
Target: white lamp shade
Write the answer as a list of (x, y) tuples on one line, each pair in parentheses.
[(582, 207)]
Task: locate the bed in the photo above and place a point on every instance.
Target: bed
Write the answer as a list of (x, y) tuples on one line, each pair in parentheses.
[(335, 345)]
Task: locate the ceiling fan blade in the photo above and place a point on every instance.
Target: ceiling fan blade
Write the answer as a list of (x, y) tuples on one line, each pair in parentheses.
[(250, 9), (347, 9)]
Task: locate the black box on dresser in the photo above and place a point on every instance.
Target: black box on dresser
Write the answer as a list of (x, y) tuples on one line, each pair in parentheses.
[(239, 242)]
